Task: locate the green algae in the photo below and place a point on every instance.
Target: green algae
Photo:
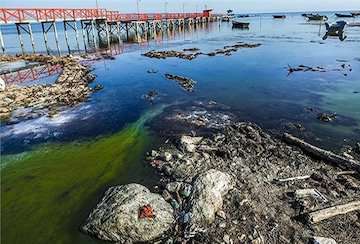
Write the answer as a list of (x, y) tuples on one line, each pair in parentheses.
[(46, 194)]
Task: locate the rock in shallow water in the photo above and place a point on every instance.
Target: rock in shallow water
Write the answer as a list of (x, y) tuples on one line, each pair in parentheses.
[(207, 197), (116, 217)]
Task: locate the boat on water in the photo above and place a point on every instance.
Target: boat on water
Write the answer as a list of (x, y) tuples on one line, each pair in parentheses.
[(279, 16), (356, 13), (336, 29), (344, 15), (225, 18), (243, 16), (317, 17), (240, 25)]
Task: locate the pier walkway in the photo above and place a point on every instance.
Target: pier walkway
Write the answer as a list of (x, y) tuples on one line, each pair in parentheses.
[(95, 24)]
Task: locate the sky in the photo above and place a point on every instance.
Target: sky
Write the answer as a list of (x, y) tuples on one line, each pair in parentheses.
[(220, 6)]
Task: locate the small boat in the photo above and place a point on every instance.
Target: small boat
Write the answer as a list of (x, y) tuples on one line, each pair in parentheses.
[(336, 29), (240, 25), (306, 15), (279, 16), (357, 13), (243, 16), (317, 17), (344, 15)]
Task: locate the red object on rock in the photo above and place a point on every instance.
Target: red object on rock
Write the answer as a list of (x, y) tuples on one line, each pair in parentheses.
[(146, 211)]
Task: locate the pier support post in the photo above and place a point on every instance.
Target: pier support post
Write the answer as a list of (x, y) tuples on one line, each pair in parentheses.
[(56, 38), (44, 31), (31, 37), (83, 34), (2, 41), (107, 33), (20, 38), (76, 35), (66, 37), (93, 32)]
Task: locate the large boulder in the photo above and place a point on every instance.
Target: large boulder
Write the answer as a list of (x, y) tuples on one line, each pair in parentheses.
[(118, 216), (207, 197)]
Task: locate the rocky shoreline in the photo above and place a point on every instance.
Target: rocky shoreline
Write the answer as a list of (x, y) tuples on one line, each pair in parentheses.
[(231, 182), (70, 88)]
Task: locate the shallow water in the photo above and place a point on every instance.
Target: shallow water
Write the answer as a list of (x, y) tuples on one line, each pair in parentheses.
[(253, 82)]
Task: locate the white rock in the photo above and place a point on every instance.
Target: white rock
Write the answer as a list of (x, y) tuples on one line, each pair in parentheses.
[(116, 217), (2, 84), (207, 198), (167, 156), (190, 142), (322, 240)]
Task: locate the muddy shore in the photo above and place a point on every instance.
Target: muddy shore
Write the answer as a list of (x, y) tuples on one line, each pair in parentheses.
[(70, 88)]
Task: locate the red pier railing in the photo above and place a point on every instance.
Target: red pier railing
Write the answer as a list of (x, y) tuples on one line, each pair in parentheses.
[(30, 15)]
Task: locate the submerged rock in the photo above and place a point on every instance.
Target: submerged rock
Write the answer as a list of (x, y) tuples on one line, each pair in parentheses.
[(186, 83), (207, 197), (327, 117), (130, 213)]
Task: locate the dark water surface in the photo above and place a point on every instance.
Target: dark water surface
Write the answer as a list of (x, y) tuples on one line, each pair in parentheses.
[(55, 169)]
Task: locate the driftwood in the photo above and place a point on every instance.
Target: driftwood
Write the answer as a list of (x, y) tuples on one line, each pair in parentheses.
[(326, 213), (304, 193), (303, 177), (323, 154)]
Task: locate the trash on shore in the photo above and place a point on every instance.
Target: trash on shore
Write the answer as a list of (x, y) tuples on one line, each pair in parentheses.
[(186, 83)]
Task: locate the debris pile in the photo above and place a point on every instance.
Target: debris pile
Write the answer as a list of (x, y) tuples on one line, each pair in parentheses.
[(71, 87), (186, 83), (270, 190)]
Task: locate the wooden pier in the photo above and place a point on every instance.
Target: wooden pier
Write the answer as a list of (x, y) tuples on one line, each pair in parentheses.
[(93, 25)]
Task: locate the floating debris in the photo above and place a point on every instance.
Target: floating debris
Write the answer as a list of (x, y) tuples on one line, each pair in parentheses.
[(186, 83)]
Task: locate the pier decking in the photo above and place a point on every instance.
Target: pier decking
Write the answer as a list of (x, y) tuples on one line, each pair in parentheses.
[(103, 23)]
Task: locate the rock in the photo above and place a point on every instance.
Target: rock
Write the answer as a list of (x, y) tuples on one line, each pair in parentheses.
[(2, 84), (207, 197), (116, 218), (221, 214), (186, 83), (322, 240), (186, 190), (358, 147), (98, 87), (190, 142), (173, 187), (167, 156), (226, 239), (326, 117)]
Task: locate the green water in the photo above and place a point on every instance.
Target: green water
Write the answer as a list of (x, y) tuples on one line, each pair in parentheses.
[(47, 193)]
